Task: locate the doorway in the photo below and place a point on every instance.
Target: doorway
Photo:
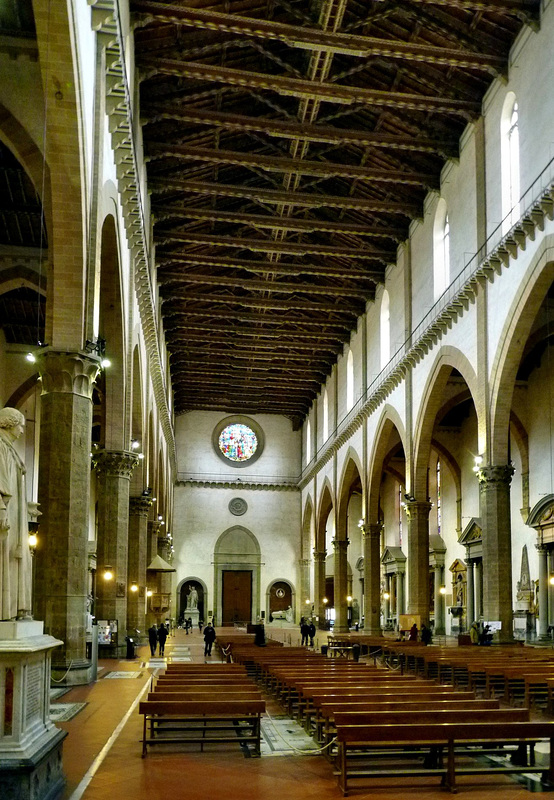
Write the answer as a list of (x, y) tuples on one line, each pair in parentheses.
[(236, 596)]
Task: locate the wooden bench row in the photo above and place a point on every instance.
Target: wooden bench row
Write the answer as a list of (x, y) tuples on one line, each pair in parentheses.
[(200, 705)]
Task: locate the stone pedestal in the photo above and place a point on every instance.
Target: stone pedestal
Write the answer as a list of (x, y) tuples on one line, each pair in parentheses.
[(194, 615), (30, 743)]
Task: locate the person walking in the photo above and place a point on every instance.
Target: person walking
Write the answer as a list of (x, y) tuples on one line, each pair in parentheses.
[(209, 638), (162, 636), (152, 639), (312, 632), (305, 631)]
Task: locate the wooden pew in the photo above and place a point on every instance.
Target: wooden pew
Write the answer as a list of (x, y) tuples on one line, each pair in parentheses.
[(326, 709), (201, 722), (453, 736)]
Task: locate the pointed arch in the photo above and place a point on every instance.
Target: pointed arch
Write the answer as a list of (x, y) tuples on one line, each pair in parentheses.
[(389, 421)]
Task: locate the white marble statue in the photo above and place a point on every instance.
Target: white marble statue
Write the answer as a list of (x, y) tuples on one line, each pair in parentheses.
[(192, 598), (15, 555)]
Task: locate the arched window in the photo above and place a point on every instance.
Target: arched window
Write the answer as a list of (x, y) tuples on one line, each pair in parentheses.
[(349, 381), (385, 329), (308, 442), (441, 250), (509, 154), (325, 415)]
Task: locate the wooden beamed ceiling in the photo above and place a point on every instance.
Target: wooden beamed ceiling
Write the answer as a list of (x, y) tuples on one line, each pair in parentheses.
[(288, 146)]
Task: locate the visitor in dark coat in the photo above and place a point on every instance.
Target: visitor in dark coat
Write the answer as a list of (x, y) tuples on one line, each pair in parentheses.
[(162, 636), (152, 639), (209, 639), (305, 631), (312, 632)]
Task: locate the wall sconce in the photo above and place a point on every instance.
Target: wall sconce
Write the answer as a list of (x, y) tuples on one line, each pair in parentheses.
[(477, 461), (108, 573), (135, 444), (149, 593), (33, 541), (134, 586), (98, 346), (349, 599), (325, 601), (361, 523), (386, 596), (308, 602), (551, 581), (442, 590)]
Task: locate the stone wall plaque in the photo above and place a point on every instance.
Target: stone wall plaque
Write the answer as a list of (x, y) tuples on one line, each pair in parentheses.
[(33, 692), (238, 506)]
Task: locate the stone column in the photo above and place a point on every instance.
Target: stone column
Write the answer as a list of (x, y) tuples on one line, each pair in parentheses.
[(61, 580), (401, 594), (417, 513), (304, 583), (341, 585), (139, 508), (543, 592), (371, 537), (114, 469), (494, 486), (478, 589), (470, 615), (319, 585), (386, 604), (439, 601)]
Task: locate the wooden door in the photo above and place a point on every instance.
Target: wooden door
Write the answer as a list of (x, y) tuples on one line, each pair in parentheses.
[(237, 596)]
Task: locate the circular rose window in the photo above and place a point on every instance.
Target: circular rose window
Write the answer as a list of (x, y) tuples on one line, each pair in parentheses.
[(238, 441)]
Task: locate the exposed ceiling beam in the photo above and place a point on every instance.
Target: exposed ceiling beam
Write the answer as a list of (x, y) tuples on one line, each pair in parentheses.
[(292, 324), (246, 352), (237, 301), (190, 331), (284, 164), (166, 265), (291, 375), (502, 6), (279, 197), (278, 223), (309, 90), (248, 383), (269, 246), (325, 134), (264, 286), (319, 41)]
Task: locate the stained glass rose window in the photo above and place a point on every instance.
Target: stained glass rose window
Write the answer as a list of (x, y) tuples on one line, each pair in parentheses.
[(238, 442)]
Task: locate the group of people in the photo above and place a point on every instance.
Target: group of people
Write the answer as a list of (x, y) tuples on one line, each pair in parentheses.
[(425, 637), (157, 635), (307, 631)]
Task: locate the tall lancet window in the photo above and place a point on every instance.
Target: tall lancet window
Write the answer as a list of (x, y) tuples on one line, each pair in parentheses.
[(439, 500), (441, 250)]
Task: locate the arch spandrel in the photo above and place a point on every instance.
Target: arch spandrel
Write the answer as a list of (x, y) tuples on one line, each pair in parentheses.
[(449, 358), (390, 422), (352, 474), (326, 506), (519, 322)]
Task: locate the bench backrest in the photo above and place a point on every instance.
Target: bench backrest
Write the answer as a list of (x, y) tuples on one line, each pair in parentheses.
[(438, 715), (206, 708), (445, 731)]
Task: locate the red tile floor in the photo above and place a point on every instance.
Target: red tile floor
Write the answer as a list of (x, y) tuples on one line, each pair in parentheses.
[(102, 756)]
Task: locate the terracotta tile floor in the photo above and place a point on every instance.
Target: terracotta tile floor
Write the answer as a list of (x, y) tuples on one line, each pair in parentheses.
[(102, 765)]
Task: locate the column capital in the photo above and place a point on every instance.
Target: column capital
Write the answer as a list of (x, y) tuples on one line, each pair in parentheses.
[(140, 506), (117, 463), (494, 475), (67, 373), (418, 508), (372, 530), (541, 548), (340, 544), (320, 555)]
